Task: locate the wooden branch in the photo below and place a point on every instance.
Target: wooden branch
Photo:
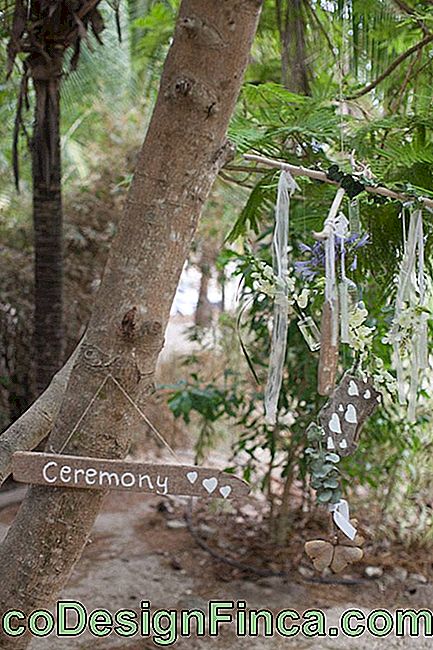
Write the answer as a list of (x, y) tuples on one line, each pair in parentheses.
[(402, 57), (36, 423), (321, 176)]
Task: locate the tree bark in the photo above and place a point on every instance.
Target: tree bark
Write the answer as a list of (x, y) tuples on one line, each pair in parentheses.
[(291, 26), (185, 147), (47, 220)]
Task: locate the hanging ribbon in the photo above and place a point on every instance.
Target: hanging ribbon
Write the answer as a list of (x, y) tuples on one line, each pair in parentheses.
[(411, 292), (341, 517), (331, 228), (286, 187)]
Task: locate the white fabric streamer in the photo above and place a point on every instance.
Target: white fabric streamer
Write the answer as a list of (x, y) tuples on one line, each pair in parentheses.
[(286, 187), (332, 226), (411, 292), (341, 517)]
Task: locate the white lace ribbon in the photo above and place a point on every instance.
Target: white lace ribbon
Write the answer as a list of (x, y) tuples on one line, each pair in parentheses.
[(286, 187)]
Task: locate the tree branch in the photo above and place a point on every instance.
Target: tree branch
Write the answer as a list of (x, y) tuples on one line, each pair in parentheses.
[(36, 423), (402, 57), (321, 176), (410, 11)]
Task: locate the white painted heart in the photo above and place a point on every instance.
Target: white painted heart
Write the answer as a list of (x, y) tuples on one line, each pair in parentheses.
[(225, 491), (343, 444), (330, 443), (353, 388), (209, 484), (350, 415), (341, 408), (334, 424), (367, 394), (192, 477)]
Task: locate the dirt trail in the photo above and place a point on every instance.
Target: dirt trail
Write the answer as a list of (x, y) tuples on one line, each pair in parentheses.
[(135, 554)]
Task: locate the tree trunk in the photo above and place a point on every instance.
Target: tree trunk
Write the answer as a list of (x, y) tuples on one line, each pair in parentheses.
[(47, 220), (294, 69), (185, 146), (203, 311)]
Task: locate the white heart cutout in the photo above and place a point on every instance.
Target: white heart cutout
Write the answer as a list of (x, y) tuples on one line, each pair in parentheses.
[(209, 484), (350, 415), (343, 444), (192, 477), (353, 388), (334, 424), (225, 491), (330, 444), (341, 408), (367, 394)]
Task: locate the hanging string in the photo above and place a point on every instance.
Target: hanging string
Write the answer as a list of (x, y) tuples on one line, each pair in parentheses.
[(144, 417), (286, 187)]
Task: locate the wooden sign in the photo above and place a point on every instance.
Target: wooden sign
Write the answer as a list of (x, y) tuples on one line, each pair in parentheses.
[(342, 417), (99, 473)]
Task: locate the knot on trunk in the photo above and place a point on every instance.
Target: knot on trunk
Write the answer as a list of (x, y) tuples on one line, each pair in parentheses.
[(205, 34), (199, 94), (134, 327)]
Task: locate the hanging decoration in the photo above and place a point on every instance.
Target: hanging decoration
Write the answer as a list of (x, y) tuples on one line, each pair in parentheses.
[(286, 187), (408, 335), (344, 320), (342, 417)]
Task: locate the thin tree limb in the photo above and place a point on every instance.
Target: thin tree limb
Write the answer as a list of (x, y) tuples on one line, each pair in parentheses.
[(321, 176), (402, 57), (35, 424)]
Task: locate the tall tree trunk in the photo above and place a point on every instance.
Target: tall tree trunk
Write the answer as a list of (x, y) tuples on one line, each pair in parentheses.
[(291, 26), (47, 219), (184, 149)]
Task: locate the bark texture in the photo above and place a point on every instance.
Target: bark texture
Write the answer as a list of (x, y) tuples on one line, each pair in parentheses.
[(47, 221), (184, 148), (291, 26)]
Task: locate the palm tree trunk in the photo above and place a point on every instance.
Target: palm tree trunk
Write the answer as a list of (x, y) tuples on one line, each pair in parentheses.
[(47, 220)]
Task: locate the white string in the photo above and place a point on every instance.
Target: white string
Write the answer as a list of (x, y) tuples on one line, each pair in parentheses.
[(154, 430), (84, 413), (131, 401)]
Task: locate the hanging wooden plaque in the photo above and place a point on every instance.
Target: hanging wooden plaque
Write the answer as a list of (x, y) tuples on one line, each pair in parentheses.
[(56, 470), (343, 416)]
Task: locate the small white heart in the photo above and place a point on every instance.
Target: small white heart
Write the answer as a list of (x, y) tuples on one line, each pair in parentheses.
[(330, 444), (343, 444), (350, 415), (353, 388), (334, 424), (209, 484), (367, 394), (192, 477), (225, 491), (341, 408)]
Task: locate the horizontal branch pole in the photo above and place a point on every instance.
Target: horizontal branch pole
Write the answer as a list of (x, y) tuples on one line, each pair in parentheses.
[(321, 176), (36, 423)]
